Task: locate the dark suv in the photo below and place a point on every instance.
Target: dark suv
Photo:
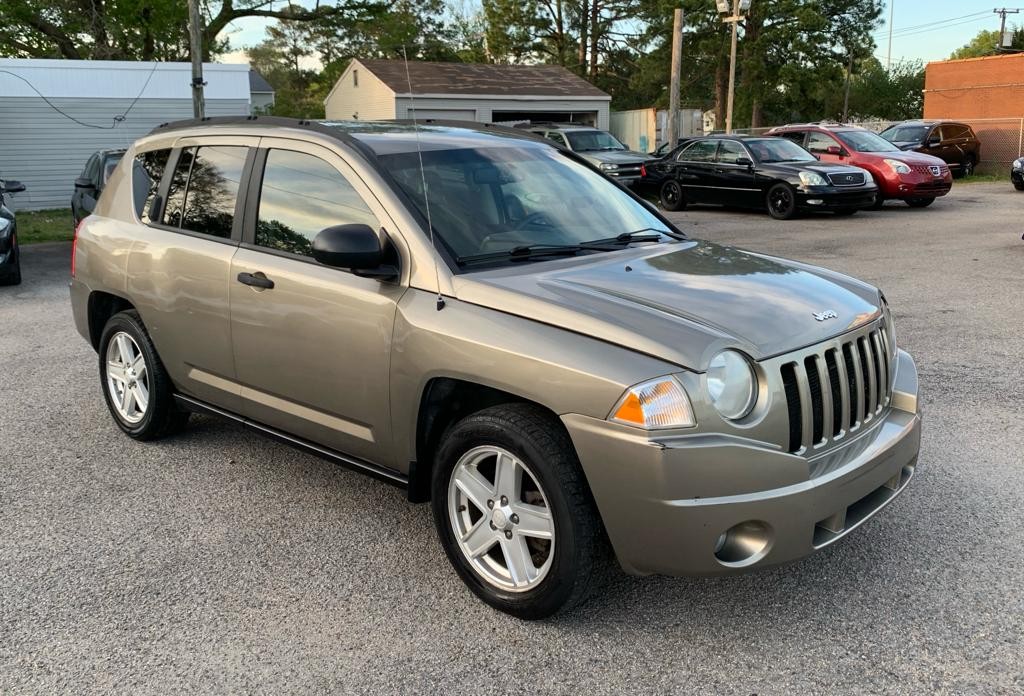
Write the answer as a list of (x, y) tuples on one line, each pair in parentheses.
[(954, 143)]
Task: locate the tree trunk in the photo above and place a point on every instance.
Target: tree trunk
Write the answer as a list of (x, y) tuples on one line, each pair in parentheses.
[(560, 44), (595, 18), (721, 89), (582, 48)]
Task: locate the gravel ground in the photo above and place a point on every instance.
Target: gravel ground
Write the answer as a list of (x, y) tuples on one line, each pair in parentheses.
[(218, 562)]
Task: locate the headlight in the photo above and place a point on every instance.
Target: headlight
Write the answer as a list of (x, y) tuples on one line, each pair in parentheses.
[(732, 385), (659, 403), (812, 179), (1018, 164), (898, 166), (5, 227), (606, 166)]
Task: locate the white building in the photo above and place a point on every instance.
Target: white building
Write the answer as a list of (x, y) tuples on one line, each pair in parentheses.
[(380, 89), (55, 113)]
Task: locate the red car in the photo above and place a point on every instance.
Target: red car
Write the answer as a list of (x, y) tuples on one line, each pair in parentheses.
[(913, 177)]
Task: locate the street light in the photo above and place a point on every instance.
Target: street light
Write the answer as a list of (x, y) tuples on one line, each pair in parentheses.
[(734, 17)]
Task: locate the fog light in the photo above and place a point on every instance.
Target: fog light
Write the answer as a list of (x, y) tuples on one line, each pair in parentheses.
[(744, 544), (815, 201)]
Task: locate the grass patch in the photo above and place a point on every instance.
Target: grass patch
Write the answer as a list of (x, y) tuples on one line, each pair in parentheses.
[(985, 179), (35, 226)]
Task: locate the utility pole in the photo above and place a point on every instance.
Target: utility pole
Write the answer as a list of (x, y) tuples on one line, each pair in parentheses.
[(195, 38), (1002, 12), (846, 97), (677, 66), (892, 12), (735, 19)]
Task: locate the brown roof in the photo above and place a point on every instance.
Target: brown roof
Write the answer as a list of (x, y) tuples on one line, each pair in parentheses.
[(481, 78)]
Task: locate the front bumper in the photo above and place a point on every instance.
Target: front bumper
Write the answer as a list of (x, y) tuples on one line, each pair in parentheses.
[(830, 199), (917, 185), (1017, 176), (644, 488)]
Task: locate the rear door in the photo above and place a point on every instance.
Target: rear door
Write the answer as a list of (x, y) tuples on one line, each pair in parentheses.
[(694, 168), (312, 353), (180, 261)]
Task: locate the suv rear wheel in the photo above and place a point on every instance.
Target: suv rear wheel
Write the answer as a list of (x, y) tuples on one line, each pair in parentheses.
[(135, 384), (514, 514), (967, 168)]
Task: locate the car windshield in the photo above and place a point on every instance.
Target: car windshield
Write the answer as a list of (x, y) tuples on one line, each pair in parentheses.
[(771, 150), (905, 134), (866, 141), (590, 140), (495, 199)]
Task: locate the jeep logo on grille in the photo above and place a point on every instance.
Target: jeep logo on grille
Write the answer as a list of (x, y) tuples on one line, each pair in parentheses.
[(827, 314), (935, 169)]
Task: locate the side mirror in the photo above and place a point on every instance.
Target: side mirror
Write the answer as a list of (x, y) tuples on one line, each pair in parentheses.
[(355, 247), (13, 187), (834, 150), (744, 162), (84, 183)]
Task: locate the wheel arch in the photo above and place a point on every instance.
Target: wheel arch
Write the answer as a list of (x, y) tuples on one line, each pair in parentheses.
[(101, 306)]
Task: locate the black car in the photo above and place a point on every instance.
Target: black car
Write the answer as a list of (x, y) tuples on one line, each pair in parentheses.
[(10, 256), (954, 143), (1017, 174), (89, 184), (758, 172)]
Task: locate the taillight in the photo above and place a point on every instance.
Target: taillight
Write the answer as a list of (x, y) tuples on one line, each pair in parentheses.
[(74, 246), (643, 170)]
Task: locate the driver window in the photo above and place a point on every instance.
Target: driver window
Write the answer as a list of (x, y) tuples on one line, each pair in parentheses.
[(300, 195), (820, 143)]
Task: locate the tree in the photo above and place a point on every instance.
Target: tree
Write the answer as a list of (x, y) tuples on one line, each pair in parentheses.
[(896, 94), (986, 43)]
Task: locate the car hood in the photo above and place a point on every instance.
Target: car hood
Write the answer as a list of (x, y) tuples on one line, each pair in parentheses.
[(681, 302), (614, 156), (908, 156)]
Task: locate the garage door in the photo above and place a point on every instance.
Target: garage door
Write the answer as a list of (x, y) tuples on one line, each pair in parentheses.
[(446, 114)]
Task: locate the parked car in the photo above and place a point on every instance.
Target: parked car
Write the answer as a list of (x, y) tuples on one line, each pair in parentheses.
[(912, 177), (551, 363), (90, 183), (773, 174), (1017, 174), (953, 143), (597, 146), (10, 254)]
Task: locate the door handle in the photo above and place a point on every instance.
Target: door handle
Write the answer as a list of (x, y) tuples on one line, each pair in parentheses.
[(256, 280)]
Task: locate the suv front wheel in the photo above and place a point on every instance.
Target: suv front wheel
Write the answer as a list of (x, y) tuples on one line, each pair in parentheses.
[(514, 514)]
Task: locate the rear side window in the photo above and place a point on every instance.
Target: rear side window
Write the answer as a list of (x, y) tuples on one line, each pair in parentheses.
[(796, 136), (147, 170), (204, 189), (729, 151), (700, 151), (302, 194)]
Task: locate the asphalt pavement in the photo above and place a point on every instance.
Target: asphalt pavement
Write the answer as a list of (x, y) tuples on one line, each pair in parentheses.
[(220, 562)]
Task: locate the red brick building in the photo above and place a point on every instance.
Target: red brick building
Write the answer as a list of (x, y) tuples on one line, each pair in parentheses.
[(973, 88)]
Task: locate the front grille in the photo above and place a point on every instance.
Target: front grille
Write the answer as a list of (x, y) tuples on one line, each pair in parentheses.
[(930, 169), (851, 179), (625, 170), (837, 390)]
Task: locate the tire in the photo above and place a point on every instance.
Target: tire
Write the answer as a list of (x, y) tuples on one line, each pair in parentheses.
[(523, 438), (967, 167), (781, 202), (1019, 186), (845, 212), (159, 415), (671, 196), (920, 202), (13, 276)]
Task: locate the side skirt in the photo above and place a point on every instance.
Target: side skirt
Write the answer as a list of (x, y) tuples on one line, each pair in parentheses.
[(378, 472)]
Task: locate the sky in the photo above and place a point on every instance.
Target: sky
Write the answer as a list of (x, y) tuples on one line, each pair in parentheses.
[(922, 29)]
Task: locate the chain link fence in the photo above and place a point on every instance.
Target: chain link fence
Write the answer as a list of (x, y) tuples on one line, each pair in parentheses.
[(1002, 139)]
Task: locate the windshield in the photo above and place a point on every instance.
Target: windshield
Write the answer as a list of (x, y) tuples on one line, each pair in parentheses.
[(905, 134), (866, 141), (495, 199), (587, 141), (778, 150)]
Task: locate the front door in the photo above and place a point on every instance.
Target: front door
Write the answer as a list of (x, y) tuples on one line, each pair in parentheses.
[(312, 353)]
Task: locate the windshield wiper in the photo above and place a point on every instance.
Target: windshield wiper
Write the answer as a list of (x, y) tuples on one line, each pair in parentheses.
[(525, 252), (625, 238)]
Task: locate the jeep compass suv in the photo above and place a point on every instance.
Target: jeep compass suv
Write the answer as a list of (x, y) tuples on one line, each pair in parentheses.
[(492, 324), (912, 177)]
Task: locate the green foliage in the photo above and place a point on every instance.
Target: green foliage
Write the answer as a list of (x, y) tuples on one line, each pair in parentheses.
[(879, 94), (986, 43)]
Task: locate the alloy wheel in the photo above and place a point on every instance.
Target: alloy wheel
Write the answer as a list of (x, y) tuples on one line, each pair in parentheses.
[(501, 519), (127, 377), (781, 200)]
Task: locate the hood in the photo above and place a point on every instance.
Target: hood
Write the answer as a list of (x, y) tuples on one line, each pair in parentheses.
[(681, 302), (614, 156), (908, 156)]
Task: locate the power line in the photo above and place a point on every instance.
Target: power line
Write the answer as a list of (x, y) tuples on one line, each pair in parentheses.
[(897, 31), (945, 26), (117, 119)]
